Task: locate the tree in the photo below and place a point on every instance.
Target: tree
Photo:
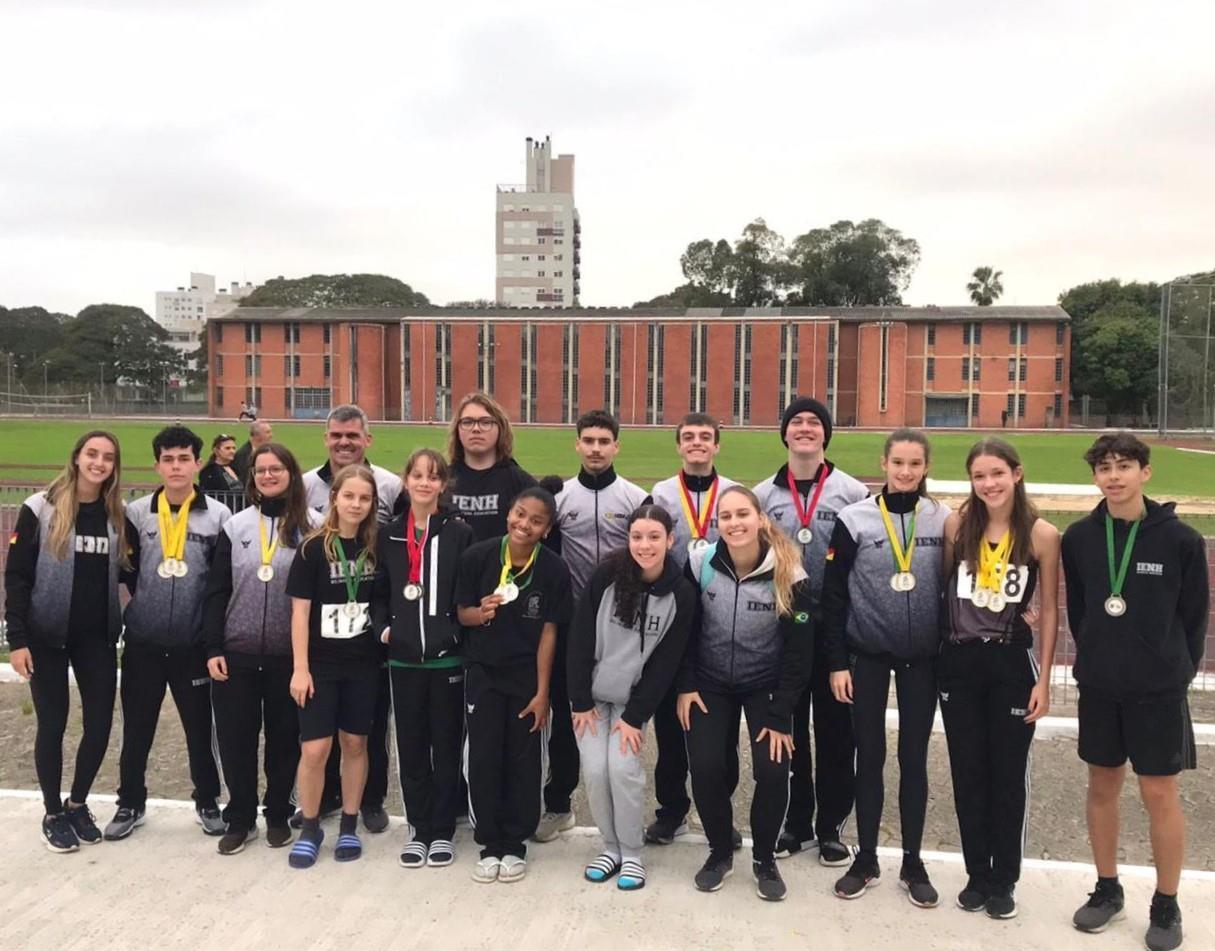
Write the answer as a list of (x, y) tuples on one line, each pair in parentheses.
[(27, 333), (196, 364), (117, 340), (709, 266), (1120, 351), (336, 290), (756, 270), (1090, 304), (688, 295), (851, 265), (985, 287)]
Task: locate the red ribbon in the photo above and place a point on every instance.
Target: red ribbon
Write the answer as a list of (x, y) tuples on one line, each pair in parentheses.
[(805, 514), (415, 547)]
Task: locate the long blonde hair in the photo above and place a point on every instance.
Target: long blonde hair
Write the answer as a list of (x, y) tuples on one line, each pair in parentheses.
[(328, 529), (61, 495), (788, 558)]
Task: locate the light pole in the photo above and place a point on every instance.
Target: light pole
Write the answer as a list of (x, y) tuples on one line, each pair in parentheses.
[(45, 387)]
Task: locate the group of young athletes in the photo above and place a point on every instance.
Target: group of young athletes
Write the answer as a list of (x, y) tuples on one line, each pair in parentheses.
[(516, 634)]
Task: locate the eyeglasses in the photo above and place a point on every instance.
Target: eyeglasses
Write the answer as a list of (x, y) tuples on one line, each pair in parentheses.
[(479, 423), (270, 471)]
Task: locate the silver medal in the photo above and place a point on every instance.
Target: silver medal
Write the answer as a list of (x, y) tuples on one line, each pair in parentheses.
[(413, 591), (980, 597), (180, 568), (508, 592), (1115, 606), (165, 568), (996, 602), (265, 573), (698, 544), (903, 581), (804, 535), (352, 609)]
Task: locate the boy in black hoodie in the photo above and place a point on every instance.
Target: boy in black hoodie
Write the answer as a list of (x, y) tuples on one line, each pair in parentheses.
[(1138, 599)]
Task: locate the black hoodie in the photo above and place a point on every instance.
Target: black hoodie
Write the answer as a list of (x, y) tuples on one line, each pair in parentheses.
[(483, 496), (1156, 646)]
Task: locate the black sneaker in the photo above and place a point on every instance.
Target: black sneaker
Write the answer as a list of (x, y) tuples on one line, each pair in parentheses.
[(914, 878), (1001, 904), (862, 876), (83, 823), (278, 836), (126, 820), (833, 854), (1105, 904), (974, 896), (211, 820), (768, 884), (664, 831), (330, 808), (714, 872), (375, 819), (1164, 925), (58, 834), (790, 843), (235, 840)]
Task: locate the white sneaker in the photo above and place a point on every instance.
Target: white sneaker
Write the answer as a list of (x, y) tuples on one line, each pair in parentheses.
[(552, 824), (486, 870), (512, 869)]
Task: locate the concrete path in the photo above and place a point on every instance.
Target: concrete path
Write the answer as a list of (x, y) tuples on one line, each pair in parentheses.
[(167, 888)]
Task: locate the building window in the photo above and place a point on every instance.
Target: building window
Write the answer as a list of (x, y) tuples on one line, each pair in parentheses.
[(313, 399), (253, 395), (219, 333), (1012, 369), (831, 367), (1059, 325), (327, 331), (328, 367), (219, 397), (930, 368), (974, 405), (406, 362), (253, 365), (533, 376), (1018, 332), (253, 333), (291, 332), (932, 335), (287, 366), (219, 364), (1058, 369), (1020, 406), (884, 372), (485, 357), (972, 333), (611, 379), (653, 375), (788, 362), (738, 373), (442, 371), (746, 409), (1010, 406), (1024, 369), (1058, 406), (569, 373)]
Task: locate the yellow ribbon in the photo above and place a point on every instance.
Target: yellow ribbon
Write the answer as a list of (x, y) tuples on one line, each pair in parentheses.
[(173, 530), (993, 563), (902, 559), (507, 575), (267, 550)]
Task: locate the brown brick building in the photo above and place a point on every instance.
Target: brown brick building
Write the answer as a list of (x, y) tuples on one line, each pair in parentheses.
[(876, 367)]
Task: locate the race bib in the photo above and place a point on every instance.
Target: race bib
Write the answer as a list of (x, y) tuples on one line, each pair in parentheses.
[(1015, 581), (336, 623)]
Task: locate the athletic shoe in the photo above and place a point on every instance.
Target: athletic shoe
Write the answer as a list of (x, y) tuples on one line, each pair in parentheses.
[(914, 878), (486, 870), (375, 820), (664, 831), (278, 836), (210, 819), (83, 823), (552, 824), (1105, 904), (440, 853), (58, 834), (235, 840), (330, 808), (974, 896), (413, 855), (1164, 925), (714, 872), (632, 876), (601, 868), (306, 849), (858, 879), (349, 847), (768, 884), (790, 844), (512, 868), (126, 820), (833, 854), (1001, 904)]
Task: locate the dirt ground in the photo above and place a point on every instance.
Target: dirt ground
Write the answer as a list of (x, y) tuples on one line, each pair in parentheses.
[(1056, 824)]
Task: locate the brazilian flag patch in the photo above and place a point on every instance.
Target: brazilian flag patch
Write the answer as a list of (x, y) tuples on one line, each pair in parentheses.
[(801, 617)]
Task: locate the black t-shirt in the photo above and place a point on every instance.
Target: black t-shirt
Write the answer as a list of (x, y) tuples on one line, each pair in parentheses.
[(91, 570), (334, 639), (483, 496), (508, 644)]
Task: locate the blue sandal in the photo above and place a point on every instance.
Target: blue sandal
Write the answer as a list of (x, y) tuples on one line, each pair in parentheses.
[(603, 868), (632, 876), (349, 848), (305, 851)]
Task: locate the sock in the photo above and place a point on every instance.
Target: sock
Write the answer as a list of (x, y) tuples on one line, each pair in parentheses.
[(1108, 883), (1164, 899), (311, 827), (350, 823)]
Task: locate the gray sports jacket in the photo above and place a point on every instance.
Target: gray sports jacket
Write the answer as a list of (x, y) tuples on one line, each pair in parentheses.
[(387, 487), (592, 516)]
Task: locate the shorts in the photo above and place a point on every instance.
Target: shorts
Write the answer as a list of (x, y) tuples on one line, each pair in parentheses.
[(1155, 734), (342, 700)]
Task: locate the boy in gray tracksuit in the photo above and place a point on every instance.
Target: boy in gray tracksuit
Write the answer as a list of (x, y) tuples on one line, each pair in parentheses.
[(621, 670)]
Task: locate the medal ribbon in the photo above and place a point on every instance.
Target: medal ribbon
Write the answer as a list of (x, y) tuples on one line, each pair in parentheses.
[(804, 513), (993, 563), (173, 530), (414, 546), (351, 578), (267, 549), (698, 521), (903, 550), (1119, 579), (508, 576)]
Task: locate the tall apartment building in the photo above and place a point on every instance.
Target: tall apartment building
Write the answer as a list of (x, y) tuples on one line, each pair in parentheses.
[(184, 312), (537, 234)]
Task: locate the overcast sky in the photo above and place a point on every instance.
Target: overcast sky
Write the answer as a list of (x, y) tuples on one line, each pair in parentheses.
[(1059, 141)]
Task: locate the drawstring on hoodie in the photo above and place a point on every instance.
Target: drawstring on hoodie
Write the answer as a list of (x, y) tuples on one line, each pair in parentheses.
[(641, 616)]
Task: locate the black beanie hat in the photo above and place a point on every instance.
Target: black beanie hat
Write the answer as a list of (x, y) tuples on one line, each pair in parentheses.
[(807, 404)]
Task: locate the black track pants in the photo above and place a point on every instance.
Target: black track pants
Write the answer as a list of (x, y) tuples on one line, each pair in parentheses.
[(428, 706), (820, 801)]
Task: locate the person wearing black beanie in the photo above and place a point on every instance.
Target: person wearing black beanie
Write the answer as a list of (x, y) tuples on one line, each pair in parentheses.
[(802, 499)]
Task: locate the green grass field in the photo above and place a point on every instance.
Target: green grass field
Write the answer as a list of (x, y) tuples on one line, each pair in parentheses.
[(646, 454)]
